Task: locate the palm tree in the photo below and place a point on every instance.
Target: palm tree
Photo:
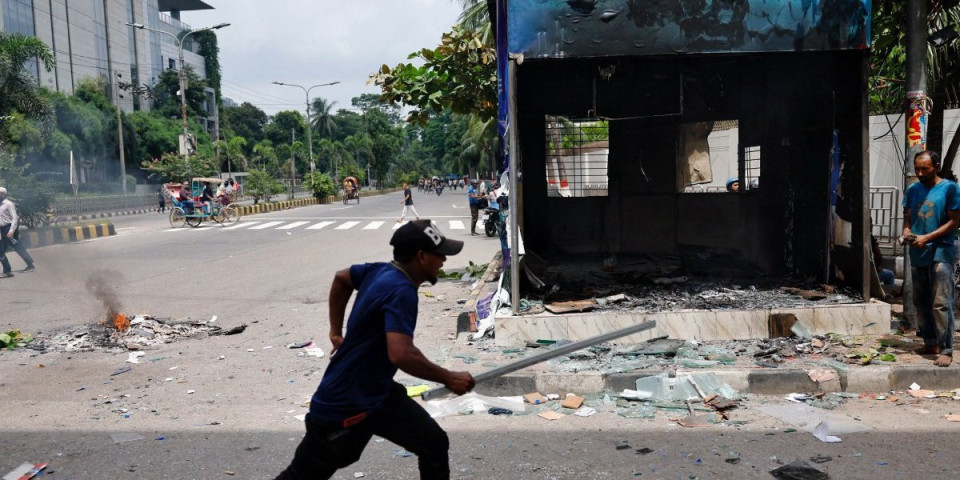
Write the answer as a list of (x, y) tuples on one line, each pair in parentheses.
[(322, 121), (233, 151), (476, 16), (19, 90), (479, 143)]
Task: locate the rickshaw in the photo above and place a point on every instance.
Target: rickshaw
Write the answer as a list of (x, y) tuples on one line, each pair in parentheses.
[(351, 190), (180, 215)]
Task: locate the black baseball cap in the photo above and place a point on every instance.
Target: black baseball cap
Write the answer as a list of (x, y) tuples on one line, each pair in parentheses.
[(424, 235)]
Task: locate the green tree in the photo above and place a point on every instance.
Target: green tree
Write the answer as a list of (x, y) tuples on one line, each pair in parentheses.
[(245, 120), (154, 136), (323, 122), (280, 126), (348, 123), (261, 185), (32, 197), (232, 151), (18, 88), (320, 184), (173, 167), (460, 74), (210, 51), (167, 102), (371, 101)]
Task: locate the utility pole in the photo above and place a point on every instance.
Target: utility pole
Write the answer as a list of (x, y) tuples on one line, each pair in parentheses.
[(293, 162), (123, 163), (306, 93), (918, 107)]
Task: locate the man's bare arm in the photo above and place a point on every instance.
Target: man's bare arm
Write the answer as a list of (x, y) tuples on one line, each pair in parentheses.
[(953, 220), (340, 293), (407, 357)]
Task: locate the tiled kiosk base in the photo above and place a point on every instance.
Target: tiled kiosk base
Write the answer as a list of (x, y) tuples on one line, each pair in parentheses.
[(847, 319)]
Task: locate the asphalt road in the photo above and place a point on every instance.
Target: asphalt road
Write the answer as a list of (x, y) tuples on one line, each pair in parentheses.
[(225, 406), (275, 266)]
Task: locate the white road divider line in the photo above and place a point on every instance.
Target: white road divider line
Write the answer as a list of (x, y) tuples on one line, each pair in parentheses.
[(373, 225), (292, 225), (320, 225), (346, 225), (398, 225), (241, 225), (266, 225), (457, 225)]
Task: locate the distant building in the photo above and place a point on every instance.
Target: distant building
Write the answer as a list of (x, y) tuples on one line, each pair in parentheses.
[(89, 38)]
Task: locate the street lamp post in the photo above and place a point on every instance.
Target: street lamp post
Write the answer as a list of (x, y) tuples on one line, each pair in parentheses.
[(306, 92), (181, 73)]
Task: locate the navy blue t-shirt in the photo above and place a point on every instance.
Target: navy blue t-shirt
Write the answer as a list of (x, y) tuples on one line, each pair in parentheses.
[(360, 373)]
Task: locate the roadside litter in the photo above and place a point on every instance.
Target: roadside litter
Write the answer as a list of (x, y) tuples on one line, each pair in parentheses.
[(25, 471), (798, 470), (470, 403)]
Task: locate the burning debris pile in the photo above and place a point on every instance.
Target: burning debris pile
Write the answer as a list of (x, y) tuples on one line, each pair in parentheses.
[(661, 285), (140, 332), (117, 331)]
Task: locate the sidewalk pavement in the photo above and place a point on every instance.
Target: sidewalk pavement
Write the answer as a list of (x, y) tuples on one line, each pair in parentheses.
[(744, 370)]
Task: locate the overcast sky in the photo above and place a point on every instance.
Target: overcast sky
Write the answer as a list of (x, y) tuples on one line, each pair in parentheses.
[(308, 42)]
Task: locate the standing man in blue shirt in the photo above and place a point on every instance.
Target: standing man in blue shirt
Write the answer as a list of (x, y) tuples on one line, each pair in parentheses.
[(931, 216), (357, 397), (474, 206)]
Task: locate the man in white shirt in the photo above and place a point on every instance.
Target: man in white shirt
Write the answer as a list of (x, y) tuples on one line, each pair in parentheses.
[(10, 235)]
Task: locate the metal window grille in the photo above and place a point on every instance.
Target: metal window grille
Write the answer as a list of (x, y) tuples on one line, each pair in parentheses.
[(577, 152), (885, 213), (751, 167)]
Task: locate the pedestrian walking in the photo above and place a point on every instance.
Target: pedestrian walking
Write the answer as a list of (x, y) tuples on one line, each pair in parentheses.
[(474, 198), (161, 200), (931, 210), (358, 397), (10, 236), (407, 202)]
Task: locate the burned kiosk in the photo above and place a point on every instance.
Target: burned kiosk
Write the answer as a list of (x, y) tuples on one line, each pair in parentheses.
[(712, 143)]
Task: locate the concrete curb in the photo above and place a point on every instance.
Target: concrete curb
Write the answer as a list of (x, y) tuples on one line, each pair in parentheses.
[(868, 379), (94, 216), (57, 235), (246, 210)]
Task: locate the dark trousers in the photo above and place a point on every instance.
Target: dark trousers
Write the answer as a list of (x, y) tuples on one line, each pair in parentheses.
[(474, 215), (17, 245), (14, 243), (3, 249), (326, 448)]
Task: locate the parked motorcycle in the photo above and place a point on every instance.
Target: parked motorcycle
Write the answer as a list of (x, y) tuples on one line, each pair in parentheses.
[(491, 217)]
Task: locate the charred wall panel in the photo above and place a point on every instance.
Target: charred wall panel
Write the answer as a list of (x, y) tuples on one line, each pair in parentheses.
[(785, 105)]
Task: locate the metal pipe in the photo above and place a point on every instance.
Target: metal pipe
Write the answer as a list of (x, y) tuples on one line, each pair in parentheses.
[(552, 353), (515, 203)]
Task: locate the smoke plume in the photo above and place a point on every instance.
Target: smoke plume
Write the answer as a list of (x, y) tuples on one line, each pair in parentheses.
[(99, 284)]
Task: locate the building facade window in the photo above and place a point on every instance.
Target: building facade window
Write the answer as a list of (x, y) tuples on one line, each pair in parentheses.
[(18, 18)]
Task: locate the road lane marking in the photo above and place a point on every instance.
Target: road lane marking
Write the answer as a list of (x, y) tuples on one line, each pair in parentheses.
[(266, 225), (373, 225), (320, 225), (241, 225), (400, 224), (292, 225), (346, 225), (457, 225)]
